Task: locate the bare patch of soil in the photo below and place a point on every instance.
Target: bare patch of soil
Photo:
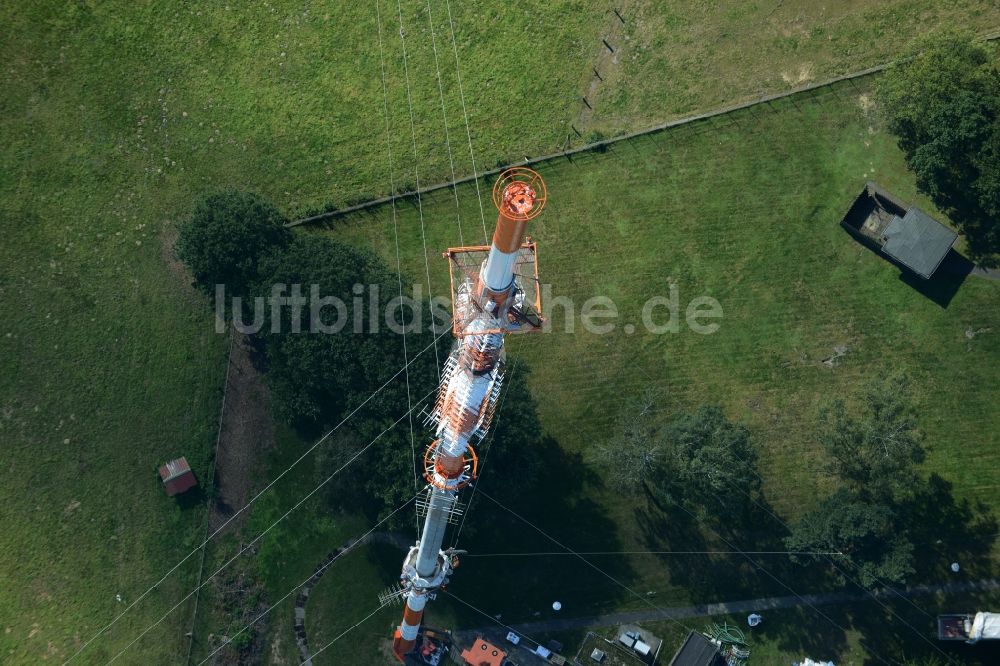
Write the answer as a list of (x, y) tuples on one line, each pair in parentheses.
[(833, 361), (803, 75), (247, 433), (866, 103), (168, 238), (276, 657)]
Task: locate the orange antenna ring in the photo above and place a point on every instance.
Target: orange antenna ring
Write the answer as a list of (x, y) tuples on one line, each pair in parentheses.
[(470, 468), (520, 193)]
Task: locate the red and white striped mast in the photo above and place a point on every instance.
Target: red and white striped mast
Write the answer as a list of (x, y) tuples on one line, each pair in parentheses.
[(488, 303)]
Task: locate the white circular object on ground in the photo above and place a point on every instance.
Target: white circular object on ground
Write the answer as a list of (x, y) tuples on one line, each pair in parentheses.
[(955, 567), (754, 619), (556, 605)]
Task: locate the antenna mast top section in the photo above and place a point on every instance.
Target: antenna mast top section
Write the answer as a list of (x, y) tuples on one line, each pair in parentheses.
[(519, 194)]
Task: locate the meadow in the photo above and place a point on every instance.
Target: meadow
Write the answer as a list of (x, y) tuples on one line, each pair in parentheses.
[(117, 117)]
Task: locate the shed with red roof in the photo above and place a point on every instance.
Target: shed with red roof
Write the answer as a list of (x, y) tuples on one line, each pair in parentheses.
[(177, 476)]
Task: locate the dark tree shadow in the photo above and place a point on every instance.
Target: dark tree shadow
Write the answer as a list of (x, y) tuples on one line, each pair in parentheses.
[(668, 527), (814, 632), (560, 503), (731, 576), (943, 530), (942, 286), (909, 632), (192, 498), (962, 205), (946, 530)]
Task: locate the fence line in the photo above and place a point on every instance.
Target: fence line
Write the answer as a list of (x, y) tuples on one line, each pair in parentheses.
[(211, 500), (597, 145)]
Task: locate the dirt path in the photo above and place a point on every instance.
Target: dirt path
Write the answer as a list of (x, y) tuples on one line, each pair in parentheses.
[(247, 433)]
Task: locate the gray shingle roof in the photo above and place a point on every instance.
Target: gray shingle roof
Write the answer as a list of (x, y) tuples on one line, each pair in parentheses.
[(918, 241), (696, 651)]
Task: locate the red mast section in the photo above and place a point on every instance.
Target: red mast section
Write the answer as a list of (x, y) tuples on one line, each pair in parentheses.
[(494, 292)]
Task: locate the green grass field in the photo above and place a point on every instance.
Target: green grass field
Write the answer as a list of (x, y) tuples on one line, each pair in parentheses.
[(110, 368), (117, 117), (289, 99), (703, 54)]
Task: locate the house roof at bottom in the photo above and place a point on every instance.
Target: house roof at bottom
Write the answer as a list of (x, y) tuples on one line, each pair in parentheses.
[(483, 654), (697, 651), (918, 241)]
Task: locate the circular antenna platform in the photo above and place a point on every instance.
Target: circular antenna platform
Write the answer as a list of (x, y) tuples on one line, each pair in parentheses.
[(448, 473), (519, 193)]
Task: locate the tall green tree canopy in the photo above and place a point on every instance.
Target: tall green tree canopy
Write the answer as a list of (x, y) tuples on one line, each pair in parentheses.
[(874, 449), (875, 446), (866, 532), (227, 237), (700, 459), (322, 361), (708, 461), (944, 105)]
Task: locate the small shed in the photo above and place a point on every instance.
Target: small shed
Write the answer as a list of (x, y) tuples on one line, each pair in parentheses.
[(177, 476), (697, 650), (905, 234), (483, 653)]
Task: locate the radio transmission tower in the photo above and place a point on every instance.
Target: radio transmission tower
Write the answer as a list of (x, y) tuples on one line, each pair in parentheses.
[(494, 291)]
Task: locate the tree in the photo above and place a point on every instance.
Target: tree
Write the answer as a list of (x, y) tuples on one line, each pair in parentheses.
[(227, 237), (708, 461), (632, 456), (987, 185), (866, 532), (876, 447), (700, 459), (874, 450), (320, 362), (944, 105)]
